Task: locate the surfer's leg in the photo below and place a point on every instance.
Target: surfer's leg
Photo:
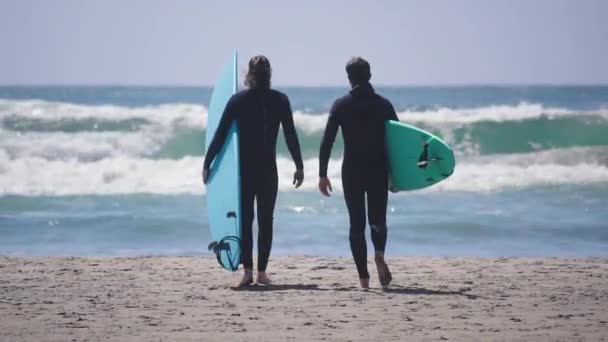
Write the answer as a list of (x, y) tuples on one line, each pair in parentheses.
[(377, 199), (247, 278), (355, 202), (266, 198), (247, 196)]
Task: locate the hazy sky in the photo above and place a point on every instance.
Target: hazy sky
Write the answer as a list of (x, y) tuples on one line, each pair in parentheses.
[(308, 42)]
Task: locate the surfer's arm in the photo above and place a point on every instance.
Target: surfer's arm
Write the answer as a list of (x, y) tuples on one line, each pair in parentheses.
[(220, 134), (291, 136), (331, 129), (392, 115)]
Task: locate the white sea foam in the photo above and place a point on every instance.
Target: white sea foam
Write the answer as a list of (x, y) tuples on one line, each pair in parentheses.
[(484, 177), (191, 115), (315, 123), (167, 114), (38, 176), (501, 113), (112, 162), (310, 123), (123, 175), (83, 146)]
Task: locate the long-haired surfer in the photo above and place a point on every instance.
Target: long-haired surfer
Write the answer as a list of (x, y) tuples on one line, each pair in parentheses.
[(259, 111)]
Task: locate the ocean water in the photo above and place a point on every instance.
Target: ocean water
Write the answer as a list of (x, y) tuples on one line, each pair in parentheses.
[(116, 171)]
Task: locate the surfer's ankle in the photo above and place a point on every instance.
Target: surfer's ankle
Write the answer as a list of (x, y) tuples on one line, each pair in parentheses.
[(364, 282), (384, 273), (263, 278), (247, 278)]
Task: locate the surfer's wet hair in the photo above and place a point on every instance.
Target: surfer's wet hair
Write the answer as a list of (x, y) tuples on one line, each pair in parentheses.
[(358, 71), (259, 73)]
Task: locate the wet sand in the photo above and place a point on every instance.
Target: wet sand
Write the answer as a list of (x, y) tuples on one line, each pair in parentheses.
[(312, 299)]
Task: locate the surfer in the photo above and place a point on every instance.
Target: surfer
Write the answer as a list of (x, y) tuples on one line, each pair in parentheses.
[(361, 115), (258, 110)]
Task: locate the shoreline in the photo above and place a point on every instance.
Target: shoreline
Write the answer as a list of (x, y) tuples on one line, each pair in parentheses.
[(311, 299)]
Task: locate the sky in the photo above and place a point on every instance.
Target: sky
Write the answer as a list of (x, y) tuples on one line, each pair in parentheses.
[(186, 42)]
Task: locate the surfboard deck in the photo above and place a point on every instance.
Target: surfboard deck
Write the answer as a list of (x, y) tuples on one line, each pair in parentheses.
[(224, 184), (418, 159)]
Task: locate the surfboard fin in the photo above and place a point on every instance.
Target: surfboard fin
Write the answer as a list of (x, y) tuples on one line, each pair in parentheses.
[(216, 247), (423, 160), (222, 246), (422, 164)]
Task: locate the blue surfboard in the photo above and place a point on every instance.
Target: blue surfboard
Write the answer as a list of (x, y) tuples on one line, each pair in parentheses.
[(224, 184)]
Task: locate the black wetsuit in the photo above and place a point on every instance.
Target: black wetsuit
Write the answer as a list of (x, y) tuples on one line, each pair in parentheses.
[(258, 112), (361, 115)]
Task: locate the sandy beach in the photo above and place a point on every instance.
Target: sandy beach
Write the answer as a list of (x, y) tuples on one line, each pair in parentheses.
[(312, 299)]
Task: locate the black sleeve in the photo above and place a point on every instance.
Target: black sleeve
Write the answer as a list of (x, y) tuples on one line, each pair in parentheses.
[(291, 136), (220, 133), (391, 115), (331, 129)]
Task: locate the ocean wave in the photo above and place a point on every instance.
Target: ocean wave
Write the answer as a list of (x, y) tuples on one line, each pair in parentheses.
[(498, 113), (439, 117), (64, 131), (83, 146), (178, 114), (160, 141), (193, 115), (33, 176)]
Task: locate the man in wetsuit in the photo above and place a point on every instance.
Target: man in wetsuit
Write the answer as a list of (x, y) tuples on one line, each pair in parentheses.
[(258, 112), (361, 115)]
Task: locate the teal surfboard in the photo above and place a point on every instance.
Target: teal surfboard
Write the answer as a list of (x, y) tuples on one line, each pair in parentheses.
[(417, 158), (224, 184)]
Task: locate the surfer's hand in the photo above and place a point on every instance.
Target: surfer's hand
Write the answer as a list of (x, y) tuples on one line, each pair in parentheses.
[(298, 178), (205, 175), (325, 186)]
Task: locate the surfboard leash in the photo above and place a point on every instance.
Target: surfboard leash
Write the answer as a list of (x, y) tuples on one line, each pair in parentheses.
[(223, 245)]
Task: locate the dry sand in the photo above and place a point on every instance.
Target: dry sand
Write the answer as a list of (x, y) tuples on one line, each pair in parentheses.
[(313, 298)]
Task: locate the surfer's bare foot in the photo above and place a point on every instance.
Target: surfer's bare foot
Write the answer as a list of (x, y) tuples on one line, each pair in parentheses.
[(247, 279), (263, 279), (364, 283), (384, 273)]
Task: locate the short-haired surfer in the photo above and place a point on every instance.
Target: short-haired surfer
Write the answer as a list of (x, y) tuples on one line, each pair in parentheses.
[(259, 111), (361, 115)]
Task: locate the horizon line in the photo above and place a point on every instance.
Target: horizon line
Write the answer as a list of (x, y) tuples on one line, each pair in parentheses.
[(378, 85)]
